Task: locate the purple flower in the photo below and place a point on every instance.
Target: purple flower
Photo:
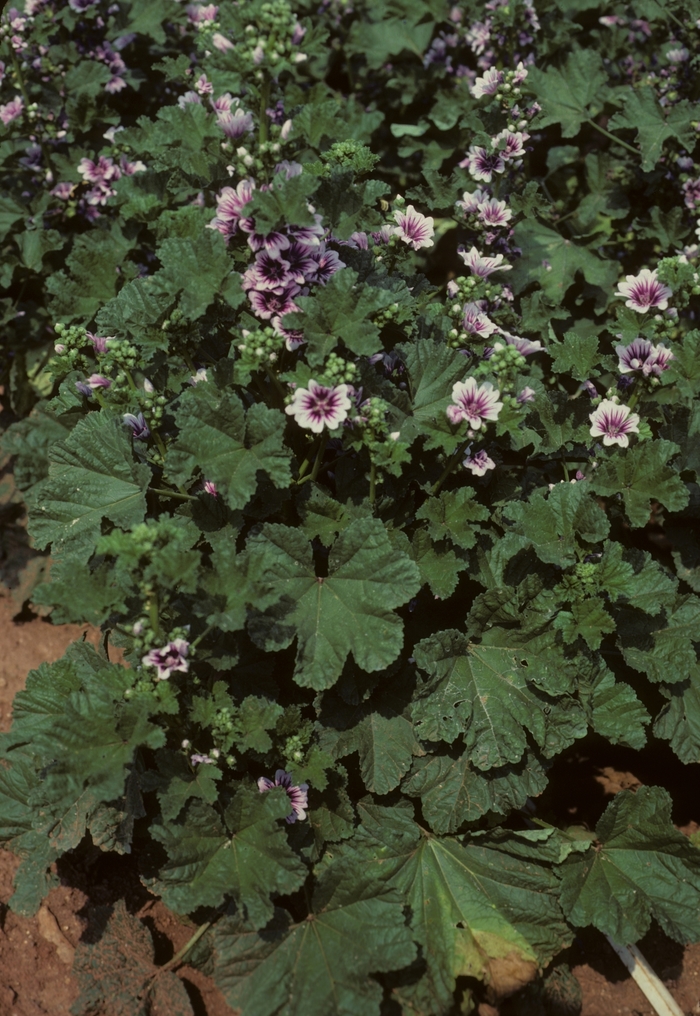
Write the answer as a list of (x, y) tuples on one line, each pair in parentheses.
[(99, 341), (325, 263), (84, 389), (267, 304), (198, 15), (481, 265), (526, 395), (644, 291), (229, 207), (510, 144), (138, 426), (270, 271), (642, 356), (494, 213), (99, 381), (11, 110), (189, 99), (476, 322), (168, 659), (479, 463), (482, 164), (474, 403), (471, 202), (293, 338), (318, 406), (613, 423), (236, 124), (413, 228), (197, 759), (298, 796), (221, 43), (100, 171), (489, 84), (525, 347), (209, 487)]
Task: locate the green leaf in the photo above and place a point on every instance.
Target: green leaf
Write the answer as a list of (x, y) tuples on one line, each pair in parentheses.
[(92, 476), (614, 711), (482, 693), (553, 260), (177, 783), (34, 243), (389, 37), (186, 140), (552, 520), (10, 212), (439, 568), (577, 355), (563, 420), (573, 95), (451, 516), (385, 743), (194, 268), (432, 370), (453, 792), (349, 611), (640, 474), (475, 911), (663, 649), (635, 578), (248, 859), (643, 114), (679, 721), (641, 867), (115, 969), (318, 966), (342, 309), (95, 273), (587, 619), (229, 445)]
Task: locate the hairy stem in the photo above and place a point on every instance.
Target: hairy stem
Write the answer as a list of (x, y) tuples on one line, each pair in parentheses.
[(180, 955), (172, 493), (602, 130), (452, 462)]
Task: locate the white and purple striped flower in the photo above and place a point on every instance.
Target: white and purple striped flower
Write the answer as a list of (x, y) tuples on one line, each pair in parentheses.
[(644, 291), (526, 395), (482, 265), (613, 422), (479, 463), (526, 347), (98, 381), (494, 213), (235, 123), (474, 403), (481, 165), (168, 659), (476, 322), (413, 228), (489, 84), (11, 110), (267, 304), (641, 356), (298, 796), (510, 144), (471, 202), (319, 406), (138, 426)]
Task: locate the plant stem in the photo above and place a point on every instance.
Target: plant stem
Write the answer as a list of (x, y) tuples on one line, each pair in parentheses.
[(27, 103), (193, 645), (630, 148), (172, 493), (317, 462), (372, 481), (565, 468), (277, 383), (264, 102), (153, 612), (159, 443), (452, 462), (129, 378), (180, 955)]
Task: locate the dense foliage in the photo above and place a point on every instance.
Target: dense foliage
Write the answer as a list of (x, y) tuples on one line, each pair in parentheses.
[(353, 358)]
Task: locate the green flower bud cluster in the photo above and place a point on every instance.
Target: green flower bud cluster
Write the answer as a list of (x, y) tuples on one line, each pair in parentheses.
[(586, 573), (153, 406), (120, 353), (268, 42), (350, 155), (294, 749), (337, 371), (372, 418), (505, 359), (261, 348), (70, 340), (386, 314), (177, 320)]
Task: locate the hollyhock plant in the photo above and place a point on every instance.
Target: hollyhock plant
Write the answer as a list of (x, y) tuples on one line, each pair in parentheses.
[(488, 84), (168, 659), (298, 795), (474, 403), (494, 213), (472, 201), (476, 322), (482, 164), (644, 358), (319, 406), (644, 291), (613, 422)]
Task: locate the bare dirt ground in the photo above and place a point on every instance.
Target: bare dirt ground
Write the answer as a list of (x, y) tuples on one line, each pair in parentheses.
[(36, 953)]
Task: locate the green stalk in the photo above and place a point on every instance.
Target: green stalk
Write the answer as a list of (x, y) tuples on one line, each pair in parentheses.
[(630, 148), (172, 493), (263, 124), (452, 462), (565, 467), (180, 955), (317, 462)]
